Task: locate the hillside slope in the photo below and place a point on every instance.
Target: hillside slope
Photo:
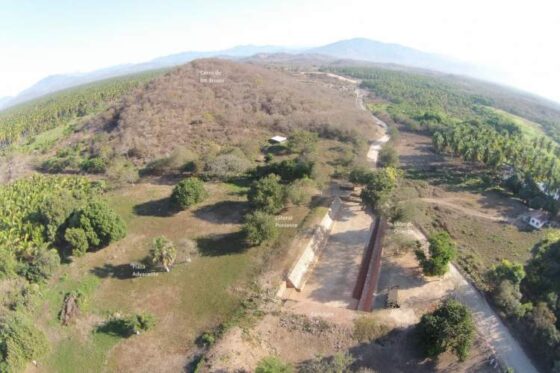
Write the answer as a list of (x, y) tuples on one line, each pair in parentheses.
[(213, 101)]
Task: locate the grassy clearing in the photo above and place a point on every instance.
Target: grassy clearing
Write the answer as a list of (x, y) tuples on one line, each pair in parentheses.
[(529, 128)]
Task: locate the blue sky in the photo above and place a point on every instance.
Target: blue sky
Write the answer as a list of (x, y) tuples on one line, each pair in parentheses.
[(40, 38)]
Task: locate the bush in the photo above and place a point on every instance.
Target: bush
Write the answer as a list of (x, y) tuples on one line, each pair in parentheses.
[(380, 185), (180, 159), (163, 252), (338, 363), (188, 192), (53, 213), (259, 227), (267, 194), (100, 224), (388, 156), (78, 241), (54, 165), (288, 170), (301, 191), (127, 326), (360, 175), (449, 327), (507, 297), (367, 329), (506, 270), (226, 166), (40, 265), (20, 342), (303, 142), (272, 364), (442, 251), (94, 165), (8, 264), (121, 171)]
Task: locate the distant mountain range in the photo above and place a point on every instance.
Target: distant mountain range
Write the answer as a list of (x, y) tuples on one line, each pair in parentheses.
[(356, 49)]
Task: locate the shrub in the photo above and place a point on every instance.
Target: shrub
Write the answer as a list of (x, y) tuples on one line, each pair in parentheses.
[(54, 165), (100, 224), (122, 171), (40, 264), (188, 192), (288, 170), (78, 241), (388, 156), (20, 342), (267, 194), (227, 166), (360, 175), (163, 252), (259, 227), (94, 165), (140, 323), (8, 264), (303, 142), (509, 271), (367, 329), (449, 327), (507, 297), (180, 159), (380, 185), (338, 363), (442, 251), (127, 326), (272, 364), (54, 211), (301, 191)]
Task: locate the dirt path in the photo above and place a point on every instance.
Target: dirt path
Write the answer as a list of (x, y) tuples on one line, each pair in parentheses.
[(463, 209)]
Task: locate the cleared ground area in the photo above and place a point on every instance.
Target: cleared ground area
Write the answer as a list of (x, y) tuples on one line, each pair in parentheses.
[(333, 277)]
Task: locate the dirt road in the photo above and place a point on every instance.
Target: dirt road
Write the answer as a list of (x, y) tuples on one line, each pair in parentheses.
[(463, 209)]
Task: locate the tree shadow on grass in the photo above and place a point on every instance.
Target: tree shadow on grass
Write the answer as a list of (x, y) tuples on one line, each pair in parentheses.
[(222, 244), (223, 212), (160, 207), (121, 271), (116, 328)]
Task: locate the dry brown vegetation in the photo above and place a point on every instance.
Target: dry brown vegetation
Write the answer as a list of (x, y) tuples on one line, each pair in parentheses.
[(244, 101)]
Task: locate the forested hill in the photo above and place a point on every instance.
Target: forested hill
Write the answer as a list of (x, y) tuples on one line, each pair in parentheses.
[(224, 102)]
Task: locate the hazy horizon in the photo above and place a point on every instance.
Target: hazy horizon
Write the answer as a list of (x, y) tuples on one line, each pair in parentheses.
[(42, 38)]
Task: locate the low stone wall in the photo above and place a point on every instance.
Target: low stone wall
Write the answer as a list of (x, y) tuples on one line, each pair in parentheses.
[(297, 276)]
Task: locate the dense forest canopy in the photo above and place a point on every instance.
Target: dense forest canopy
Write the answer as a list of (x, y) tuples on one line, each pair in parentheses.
[(430, 98)]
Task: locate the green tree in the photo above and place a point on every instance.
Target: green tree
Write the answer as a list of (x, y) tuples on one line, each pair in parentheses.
[(40, 264), (388, 156), (380, 186), (301, 191), (163, 252), (188, 192), (442, 251), (100, 224), (506, 270), (20, 342), (449, 327), (267, 194), (303, 142), (259, 227), (77, 239), (272, 364)]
